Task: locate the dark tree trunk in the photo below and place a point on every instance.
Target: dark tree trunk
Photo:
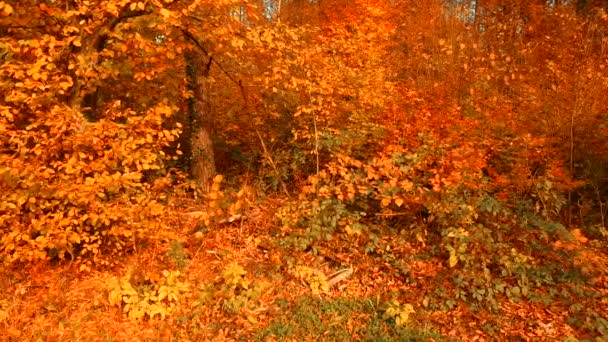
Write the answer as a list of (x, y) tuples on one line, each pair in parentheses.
[(581, 5), (199, 127)]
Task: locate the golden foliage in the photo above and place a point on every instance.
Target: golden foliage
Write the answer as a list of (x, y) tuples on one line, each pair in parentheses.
[(148, 299)]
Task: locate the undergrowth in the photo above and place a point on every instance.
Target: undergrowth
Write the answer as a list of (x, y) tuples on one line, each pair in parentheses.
[(337, 319)]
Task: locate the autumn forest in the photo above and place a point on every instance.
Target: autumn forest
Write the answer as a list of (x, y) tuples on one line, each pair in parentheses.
[(303, 170)]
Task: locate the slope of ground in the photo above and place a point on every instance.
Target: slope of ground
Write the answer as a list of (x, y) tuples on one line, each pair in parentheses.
[(242, 286)]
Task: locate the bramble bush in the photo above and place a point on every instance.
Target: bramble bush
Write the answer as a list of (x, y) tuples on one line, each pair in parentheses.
[(482, 153), (490, 241)]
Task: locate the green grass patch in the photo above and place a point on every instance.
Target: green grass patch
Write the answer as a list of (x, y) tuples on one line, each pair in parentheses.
[(342, 319)]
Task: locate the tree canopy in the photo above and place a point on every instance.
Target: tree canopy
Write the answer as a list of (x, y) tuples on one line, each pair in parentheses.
[(452, 152)]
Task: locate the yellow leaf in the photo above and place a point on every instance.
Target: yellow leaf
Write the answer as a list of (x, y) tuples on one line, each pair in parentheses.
[(579, 236), (399, 201), (404, 315), (115, 298), (141, 5), (453, 259), (165, 13), (74, 238), (350, 231), (407, 185), (65, 85)]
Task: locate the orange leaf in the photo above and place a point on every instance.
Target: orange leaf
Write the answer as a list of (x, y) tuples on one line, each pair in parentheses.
[(386, 201)]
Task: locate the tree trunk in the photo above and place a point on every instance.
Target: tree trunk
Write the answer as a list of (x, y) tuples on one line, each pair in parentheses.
[(581, 6), (202, 160), (475, 12)]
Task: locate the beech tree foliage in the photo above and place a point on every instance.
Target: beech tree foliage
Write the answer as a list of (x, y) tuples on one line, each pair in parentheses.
[(453, 152), (100, 99)]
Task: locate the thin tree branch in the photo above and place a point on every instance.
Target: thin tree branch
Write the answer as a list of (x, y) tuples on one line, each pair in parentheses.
[(239, 83)]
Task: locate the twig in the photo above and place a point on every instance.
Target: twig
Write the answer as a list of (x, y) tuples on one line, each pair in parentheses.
[(239, 83), (339, 276), (392, 214), (272, 164), (602, 212), (198, 250), (314, 121)]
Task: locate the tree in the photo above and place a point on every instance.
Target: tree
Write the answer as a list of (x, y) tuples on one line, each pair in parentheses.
[(104, 96), (97, 96)]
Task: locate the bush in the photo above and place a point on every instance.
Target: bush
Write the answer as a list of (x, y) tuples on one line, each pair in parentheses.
[(71, 188)]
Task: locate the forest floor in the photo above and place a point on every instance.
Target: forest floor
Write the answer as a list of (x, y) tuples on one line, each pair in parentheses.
[(269, 302)]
